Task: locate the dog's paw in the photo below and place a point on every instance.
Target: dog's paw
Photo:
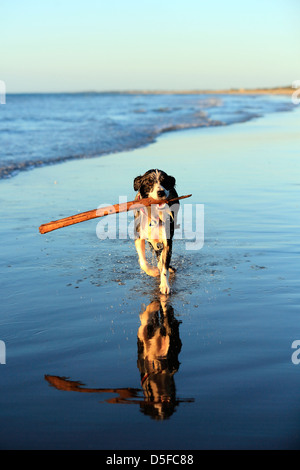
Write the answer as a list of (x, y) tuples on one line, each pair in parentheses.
[(172, 270), (164, 288), (152, 271)]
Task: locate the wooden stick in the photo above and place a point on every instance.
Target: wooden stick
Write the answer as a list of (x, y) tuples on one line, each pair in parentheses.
[(115, 209)]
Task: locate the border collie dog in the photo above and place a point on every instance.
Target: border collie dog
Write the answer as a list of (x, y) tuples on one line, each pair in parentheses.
[(156, 223)]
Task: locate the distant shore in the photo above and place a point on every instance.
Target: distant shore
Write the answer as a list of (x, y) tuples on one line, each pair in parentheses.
[(232, 91), (288, 90)]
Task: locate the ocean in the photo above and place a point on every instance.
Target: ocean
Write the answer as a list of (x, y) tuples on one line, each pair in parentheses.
[(43, 129)]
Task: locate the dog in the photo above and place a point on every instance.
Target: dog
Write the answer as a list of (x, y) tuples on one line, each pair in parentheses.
[(156, 223)]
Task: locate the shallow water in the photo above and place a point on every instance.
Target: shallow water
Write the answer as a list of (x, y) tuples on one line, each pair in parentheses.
[(73, 306)]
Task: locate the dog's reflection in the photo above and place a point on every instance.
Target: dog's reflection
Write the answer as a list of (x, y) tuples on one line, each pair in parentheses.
[(159, 345)]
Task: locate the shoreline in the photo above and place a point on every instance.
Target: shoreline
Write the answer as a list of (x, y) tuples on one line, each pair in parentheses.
[(232, 91), (12, 169), (286, 90)]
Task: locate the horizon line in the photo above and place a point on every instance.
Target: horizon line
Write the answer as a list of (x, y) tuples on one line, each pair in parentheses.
[(279, 89)]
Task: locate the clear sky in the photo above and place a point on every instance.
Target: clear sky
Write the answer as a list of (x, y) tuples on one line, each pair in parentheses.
[(83, 45)]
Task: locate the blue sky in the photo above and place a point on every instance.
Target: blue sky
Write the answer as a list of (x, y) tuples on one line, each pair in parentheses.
[(75, 45)]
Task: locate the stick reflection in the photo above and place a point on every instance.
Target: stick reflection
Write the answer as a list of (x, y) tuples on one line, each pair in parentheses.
[(159, 345)]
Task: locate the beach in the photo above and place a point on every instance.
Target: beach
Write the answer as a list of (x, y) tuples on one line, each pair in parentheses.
[(73, 305)]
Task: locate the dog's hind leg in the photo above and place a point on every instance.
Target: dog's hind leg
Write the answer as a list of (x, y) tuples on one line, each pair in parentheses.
[(145, 266)]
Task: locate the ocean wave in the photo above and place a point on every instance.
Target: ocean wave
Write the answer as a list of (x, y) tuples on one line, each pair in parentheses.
[(38, 129)]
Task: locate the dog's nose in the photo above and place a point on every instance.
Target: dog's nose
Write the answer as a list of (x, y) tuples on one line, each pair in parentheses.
[(161, 193)]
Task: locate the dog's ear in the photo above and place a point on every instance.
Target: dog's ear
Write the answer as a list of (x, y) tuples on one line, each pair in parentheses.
[(137, 183), (171, 181)]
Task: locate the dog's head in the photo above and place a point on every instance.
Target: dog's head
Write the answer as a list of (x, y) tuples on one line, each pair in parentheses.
[(154, 183)]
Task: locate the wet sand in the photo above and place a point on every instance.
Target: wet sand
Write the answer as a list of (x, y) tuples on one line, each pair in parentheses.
[(78, 315)]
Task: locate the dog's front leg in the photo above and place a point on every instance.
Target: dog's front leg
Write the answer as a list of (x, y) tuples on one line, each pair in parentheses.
[(164, 264), (145, 266)]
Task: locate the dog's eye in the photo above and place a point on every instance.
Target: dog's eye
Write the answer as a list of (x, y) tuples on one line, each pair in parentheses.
[(151, 182)]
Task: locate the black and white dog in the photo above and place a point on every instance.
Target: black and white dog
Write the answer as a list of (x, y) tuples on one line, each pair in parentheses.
[(156, 223)]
